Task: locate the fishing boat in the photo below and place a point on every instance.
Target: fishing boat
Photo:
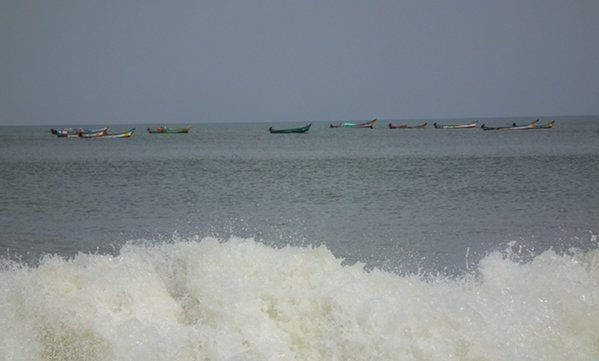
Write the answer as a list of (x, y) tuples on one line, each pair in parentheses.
[(369, 124), (455, 126), (168, 130), (94, 134), (514, 126), (342, 125), (531, 125), (74, 132), (546, 125), (292, 130), (484, 127), (125, 134), (64, 133), (404, 126)]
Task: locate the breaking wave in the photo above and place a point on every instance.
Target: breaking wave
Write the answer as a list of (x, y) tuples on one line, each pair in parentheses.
[(243, 300)]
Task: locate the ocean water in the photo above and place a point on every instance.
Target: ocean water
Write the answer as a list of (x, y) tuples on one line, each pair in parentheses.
[(230, 243)]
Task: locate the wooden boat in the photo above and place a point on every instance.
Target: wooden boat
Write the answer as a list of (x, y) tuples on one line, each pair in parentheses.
[(455, 126), (514, 126), (369, 124), (125, 134), (546, 125), (403, 126), (168, 130), (292, 130), (63, 132), (484, 127), (341, 125), (530, 125), (74, 132), (95, 134)]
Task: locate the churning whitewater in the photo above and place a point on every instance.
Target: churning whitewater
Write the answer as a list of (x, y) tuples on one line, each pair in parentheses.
[(242, 300)]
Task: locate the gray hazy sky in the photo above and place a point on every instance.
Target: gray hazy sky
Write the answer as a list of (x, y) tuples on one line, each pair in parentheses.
[(179, 61)]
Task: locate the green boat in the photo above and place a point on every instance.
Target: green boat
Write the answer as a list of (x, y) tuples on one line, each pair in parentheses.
[(369, 124), (167, 130), (292, 130)]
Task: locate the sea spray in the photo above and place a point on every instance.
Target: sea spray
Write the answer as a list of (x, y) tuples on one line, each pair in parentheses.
[(242, 300)]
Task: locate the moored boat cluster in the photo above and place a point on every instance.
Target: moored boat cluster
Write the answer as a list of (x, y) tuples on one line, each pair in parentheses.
[(89, 133), (92, 133), (370, 124)]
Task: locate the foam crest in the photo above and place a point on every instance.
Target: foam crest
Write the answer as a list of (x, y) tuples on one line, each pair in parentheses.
[(243, 300)]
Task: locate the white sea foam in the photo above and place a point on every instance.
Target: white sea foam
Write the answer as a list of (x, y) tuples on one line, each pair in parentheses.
[(242, 300)]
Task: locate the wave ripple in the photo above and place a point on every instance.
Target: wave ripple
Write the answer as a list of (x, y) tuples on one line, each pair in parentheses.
[(243, 300)]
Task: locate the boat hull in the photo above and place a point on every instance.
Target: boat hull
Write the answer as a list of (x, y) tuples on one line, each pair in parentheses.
[(455, 126), (369, 124), (93, 134), (403, 126), (76, 132), (289, 131), (531, 125), (167, 130), (514, 126), (125, 134), (547, 125), (484, 127)]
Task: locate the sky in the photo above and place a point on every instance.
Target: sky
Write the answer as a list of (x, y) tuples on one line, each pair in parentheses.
[(182, 61)]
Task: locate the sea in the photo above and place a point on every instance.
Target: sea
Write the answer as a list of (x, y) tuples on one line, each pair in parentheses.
[(231, 243)]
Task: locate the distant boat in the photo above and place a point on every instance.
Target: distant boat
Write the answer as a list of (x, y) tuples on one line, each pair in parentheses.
[(167, 130), (74, 132), (125, 134), (64, 132), (292, 130), (546, 125), (514, 126), (342, 125), (484, 127), (369, 124), (403, 126), (455, 126), (91, 133), (530, 125)]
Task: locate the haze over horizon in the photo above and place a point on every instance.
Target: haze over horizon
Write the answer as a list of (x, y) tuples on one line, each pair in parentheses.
[(126, 61)]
